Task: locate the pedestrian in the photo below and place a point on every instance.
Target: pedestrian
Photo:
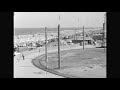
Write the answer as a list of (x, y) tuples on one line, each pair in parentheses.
[(23, 56)]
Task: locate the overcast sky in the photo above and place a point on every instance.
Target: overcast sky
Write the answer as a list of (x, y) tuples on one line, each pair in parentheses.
[(50, 19)]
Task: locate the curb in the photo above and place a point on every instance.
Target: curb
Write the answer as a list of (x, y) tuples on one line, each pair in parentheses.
[(40, 66)]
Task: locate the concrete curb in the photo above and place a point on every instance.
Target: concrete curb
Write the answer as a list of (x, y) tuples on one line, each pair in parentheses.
[(40, 66)]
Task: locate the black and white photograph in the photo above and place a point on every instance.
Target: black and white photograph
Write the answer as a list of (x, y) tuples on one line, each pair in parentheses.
[(60, 45)]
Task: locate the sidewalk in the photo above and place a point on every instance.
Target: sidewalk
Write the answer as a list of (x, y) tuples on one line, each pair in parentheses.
[(25, 68)]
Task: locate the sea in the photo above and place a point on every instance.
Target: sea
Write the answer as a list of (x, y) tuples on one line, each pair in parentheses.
[(25, 31)]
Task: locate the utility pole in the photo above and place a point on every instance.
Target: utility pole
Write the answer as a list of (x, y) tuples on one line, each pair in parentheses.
[(78, 27), (103, 36), (75, 35), (76, 30), (103, 33), (83, 37), (59, 45), (46, 58), (104, 30)]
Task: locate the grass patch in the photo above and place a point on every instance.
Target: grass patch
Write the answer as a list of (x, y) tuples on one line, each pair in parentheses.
[(76, 58)]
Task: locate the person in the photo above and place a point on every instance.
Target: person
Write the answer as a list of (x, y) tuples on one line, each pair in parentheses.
[(23, 56)]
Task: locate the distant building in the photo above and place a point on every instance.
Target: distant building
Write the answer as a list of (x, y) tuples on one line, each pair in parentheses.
[(87, 41)]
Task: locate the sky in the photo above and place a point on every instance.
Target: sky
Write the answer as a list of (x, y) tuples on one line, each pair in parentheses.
[(51, 19)]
